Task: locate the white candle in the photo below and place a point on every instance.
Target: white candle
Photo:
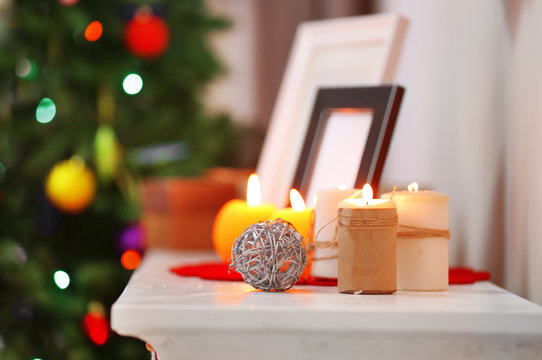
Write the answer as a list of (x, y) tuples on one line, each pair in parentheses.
[(422, 262), (326, 208)]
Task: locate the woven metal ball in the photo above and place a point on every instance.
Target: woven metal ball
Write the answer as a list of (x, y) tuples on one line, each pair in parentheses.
[(270, 255)]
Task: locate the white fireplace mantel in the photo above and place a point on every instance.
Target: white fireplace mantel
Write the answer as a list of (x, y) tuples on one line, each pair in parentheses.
[(189, 318)]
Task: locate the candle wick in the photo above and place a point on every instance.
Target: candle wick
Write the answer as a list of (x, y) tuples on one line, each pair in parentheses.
[(393, 192)]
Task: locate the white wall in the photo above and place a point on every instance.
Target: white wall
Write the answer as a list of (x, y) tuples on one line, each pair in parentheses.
[(524, 153), (235, 91), (450, 132)]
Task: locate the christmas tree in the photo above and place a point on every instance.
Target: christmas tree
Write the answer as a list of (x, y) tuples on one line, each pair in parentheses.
[(94, 95)]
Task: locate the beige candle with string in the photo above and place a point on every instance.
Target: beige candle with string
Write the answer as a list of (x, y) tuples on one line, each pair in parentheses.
[(422, 240), (367, 245)]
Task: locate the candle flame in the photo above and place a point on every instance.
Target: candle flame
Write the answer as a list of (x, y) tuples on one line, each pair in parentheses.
[(413, 187), (298, 204), (367, 193), (253, 190)]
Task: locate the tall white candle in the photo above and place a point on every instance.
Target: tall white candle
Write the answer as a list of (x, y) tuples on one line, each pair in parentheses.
[(422, 261), (326, 209)]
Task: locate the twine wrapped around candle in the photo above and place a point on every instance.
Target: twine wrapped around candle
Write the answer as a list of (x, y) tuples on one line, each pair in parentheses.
[(353, 220), (403, 232), (411, 232), (329, 244)]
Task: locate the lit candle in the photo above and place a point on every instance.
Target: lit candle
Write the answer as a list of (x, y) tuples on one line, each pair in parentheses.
[(367, 245), (324, 261), (422, 240), (236, 215), (298, 215)]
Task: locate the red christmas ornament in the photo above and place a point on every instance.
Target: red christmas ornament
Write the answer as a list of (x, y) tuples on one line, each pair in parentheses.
[(96, 327), (68, 2), (146, 35)]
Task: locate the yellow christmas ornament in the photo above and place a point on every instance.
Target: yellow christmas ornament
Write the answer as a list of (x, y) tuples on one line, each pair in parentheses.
[(70, 185)]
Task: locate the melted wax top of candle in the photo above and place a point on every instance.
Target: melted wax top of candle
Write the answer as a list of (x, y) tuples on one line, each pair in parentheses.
[(361, 203)]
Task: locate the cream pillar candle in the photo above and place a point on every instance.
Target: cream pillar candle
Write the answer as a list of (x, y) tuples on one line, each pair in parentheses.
[(422, 241), (324, 261)]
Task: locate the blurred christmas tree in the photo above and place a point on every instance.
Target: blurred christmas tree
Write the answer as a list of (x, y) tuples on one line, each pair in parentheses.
[(93, 95)]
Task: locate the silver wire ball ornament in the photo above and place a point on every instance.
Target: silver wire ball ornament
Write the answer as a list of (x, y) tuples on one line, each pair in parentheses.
[(270, 255)]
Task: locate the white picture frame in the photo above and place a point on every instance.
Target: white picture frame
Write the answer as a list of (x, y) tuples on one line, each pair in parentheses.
[(344, 52)]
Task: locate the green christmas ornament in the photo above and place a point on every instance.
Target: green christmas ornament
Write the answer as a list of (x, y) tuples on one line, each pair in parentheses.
[(106, 152)]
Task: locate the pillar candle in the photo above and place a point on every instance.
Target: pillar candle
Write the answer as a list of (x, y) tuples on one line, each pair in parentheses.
[(298, 215), (367, 246), (422, 254), (324, 261), (236, 215), (301, 220)]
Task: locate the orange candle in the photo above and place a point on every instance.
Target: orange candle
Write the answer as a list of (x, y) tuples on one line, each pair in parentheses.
[(236, 215), (298, 215)]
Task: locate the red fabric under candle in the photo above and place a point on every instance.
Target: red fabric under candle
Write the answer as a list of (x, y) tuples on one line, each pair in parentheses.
[(220, 271)]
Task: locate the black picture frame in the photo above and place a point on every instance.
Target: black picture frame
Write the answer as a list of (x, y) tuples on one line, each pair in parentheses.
[(383, 101)]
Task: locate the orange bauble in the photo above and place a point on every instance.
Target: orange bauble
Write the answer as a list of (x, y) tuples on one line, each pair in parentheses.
[(232, 219)]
